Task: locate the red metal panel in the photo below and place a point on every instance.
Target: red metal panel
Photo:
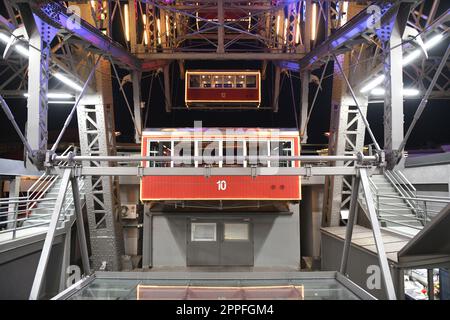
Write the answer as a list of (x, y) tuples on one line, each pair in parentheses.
[(216, 94), (235, 187)]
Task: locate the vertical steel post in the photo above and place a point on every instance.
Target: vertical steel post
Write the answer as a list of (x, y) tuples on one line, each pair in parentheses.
[(136, 80), (167, 91), (430, 281), (350, 223), (221, 28), (80, 226), (14, 191), (304, 106), (382, 258), (276, 89), (66, 259), (45, 254)]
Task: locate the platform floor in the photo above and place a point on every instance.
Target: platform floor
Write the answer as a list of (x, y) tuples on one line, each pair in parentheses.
[(363, 238)]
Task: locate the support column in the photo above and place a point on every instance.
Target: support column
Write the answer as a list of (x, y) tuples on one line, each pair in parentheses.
[(276, 89), (136, 80), (304, 106), (97, 137), (220, 29), (66, 259), (167, 88), (350, 224), (393, 120), (147, 245), (40, 36), (80, 226), (14, 191)]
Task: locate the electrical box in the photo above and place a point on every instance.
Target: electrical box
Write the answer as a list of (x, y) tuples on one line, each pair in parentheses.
[(129, 211)]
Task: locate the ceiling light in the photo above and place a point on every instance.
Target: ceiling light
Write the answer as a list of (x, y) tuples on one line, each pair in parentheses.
[(372, 84), (55, 95), (407, 92), (417, 53), (68, 81)]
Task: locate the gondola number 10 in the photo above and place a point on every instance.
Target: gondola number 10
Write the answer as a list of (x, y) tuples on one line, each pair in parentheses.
[(221, 185)]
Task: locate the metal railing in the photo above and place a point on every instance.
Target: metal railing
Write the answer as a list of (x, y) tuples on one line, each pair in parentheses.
[(404, 188), (35, 209), (404, 208), (428, 208)]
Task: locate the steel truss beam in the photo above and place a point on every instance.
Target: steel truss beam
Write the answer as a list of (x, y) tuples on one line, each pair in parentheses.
[(58, 16)]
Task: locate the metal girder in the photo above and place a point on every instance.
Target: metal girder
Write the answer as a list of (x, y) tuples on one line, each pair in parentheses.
[(391, 36), (220, 56), (41, 35), (58, 16), (96, 128), (276, 89), (136, 82), (343, 39), (167, 88), (105, 171)]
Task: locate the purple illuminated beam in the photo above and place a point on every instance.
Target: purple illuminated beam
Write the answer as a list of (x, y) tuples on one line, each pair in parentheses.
[(56, 15), (345, 36)]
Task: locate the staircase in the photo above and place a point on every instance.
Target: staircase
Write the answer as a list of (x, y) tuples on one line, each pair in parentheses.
[(396, 209), (34, 211), (41, 212)]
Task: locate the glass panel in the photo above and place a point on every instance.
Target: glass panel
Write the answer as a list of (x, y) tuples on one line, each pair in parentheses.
[(194, 81), (240, 81), (323, 288), (203, 231), (209, 149), (231, 150), (229, 81), (206, 81), (235, 231), (218, 81), (251, 81), (184, 149), (257, 149), (281, 148), (159, 148)]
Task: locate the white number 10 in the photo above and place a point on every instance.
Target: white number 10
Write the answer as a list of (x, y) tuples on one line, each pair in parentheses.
[(221, 185)]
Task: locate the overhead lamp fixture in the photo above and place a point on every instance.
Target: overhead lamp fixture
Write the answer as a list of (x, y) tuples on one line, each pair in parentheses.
[(4, 38), (417, 53), (372, 84), (68, 102), (67, 81), (18, 47), (158, 27), (314, 22), (54, 95), (22, 50), (127, 22), (343, 12), (297, 29), (407, 92), (144, 20)]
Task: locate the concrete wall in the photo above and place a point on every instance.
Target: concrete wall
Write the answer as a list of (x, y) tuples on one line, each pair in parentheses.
[(18, 267), (311, 219), (358, 263), (276, 239)]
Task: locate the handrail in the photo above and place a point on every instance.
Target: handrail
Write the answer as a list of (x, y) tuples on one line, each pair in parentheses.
[(401, 191), (67, 209), (433, 199)]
